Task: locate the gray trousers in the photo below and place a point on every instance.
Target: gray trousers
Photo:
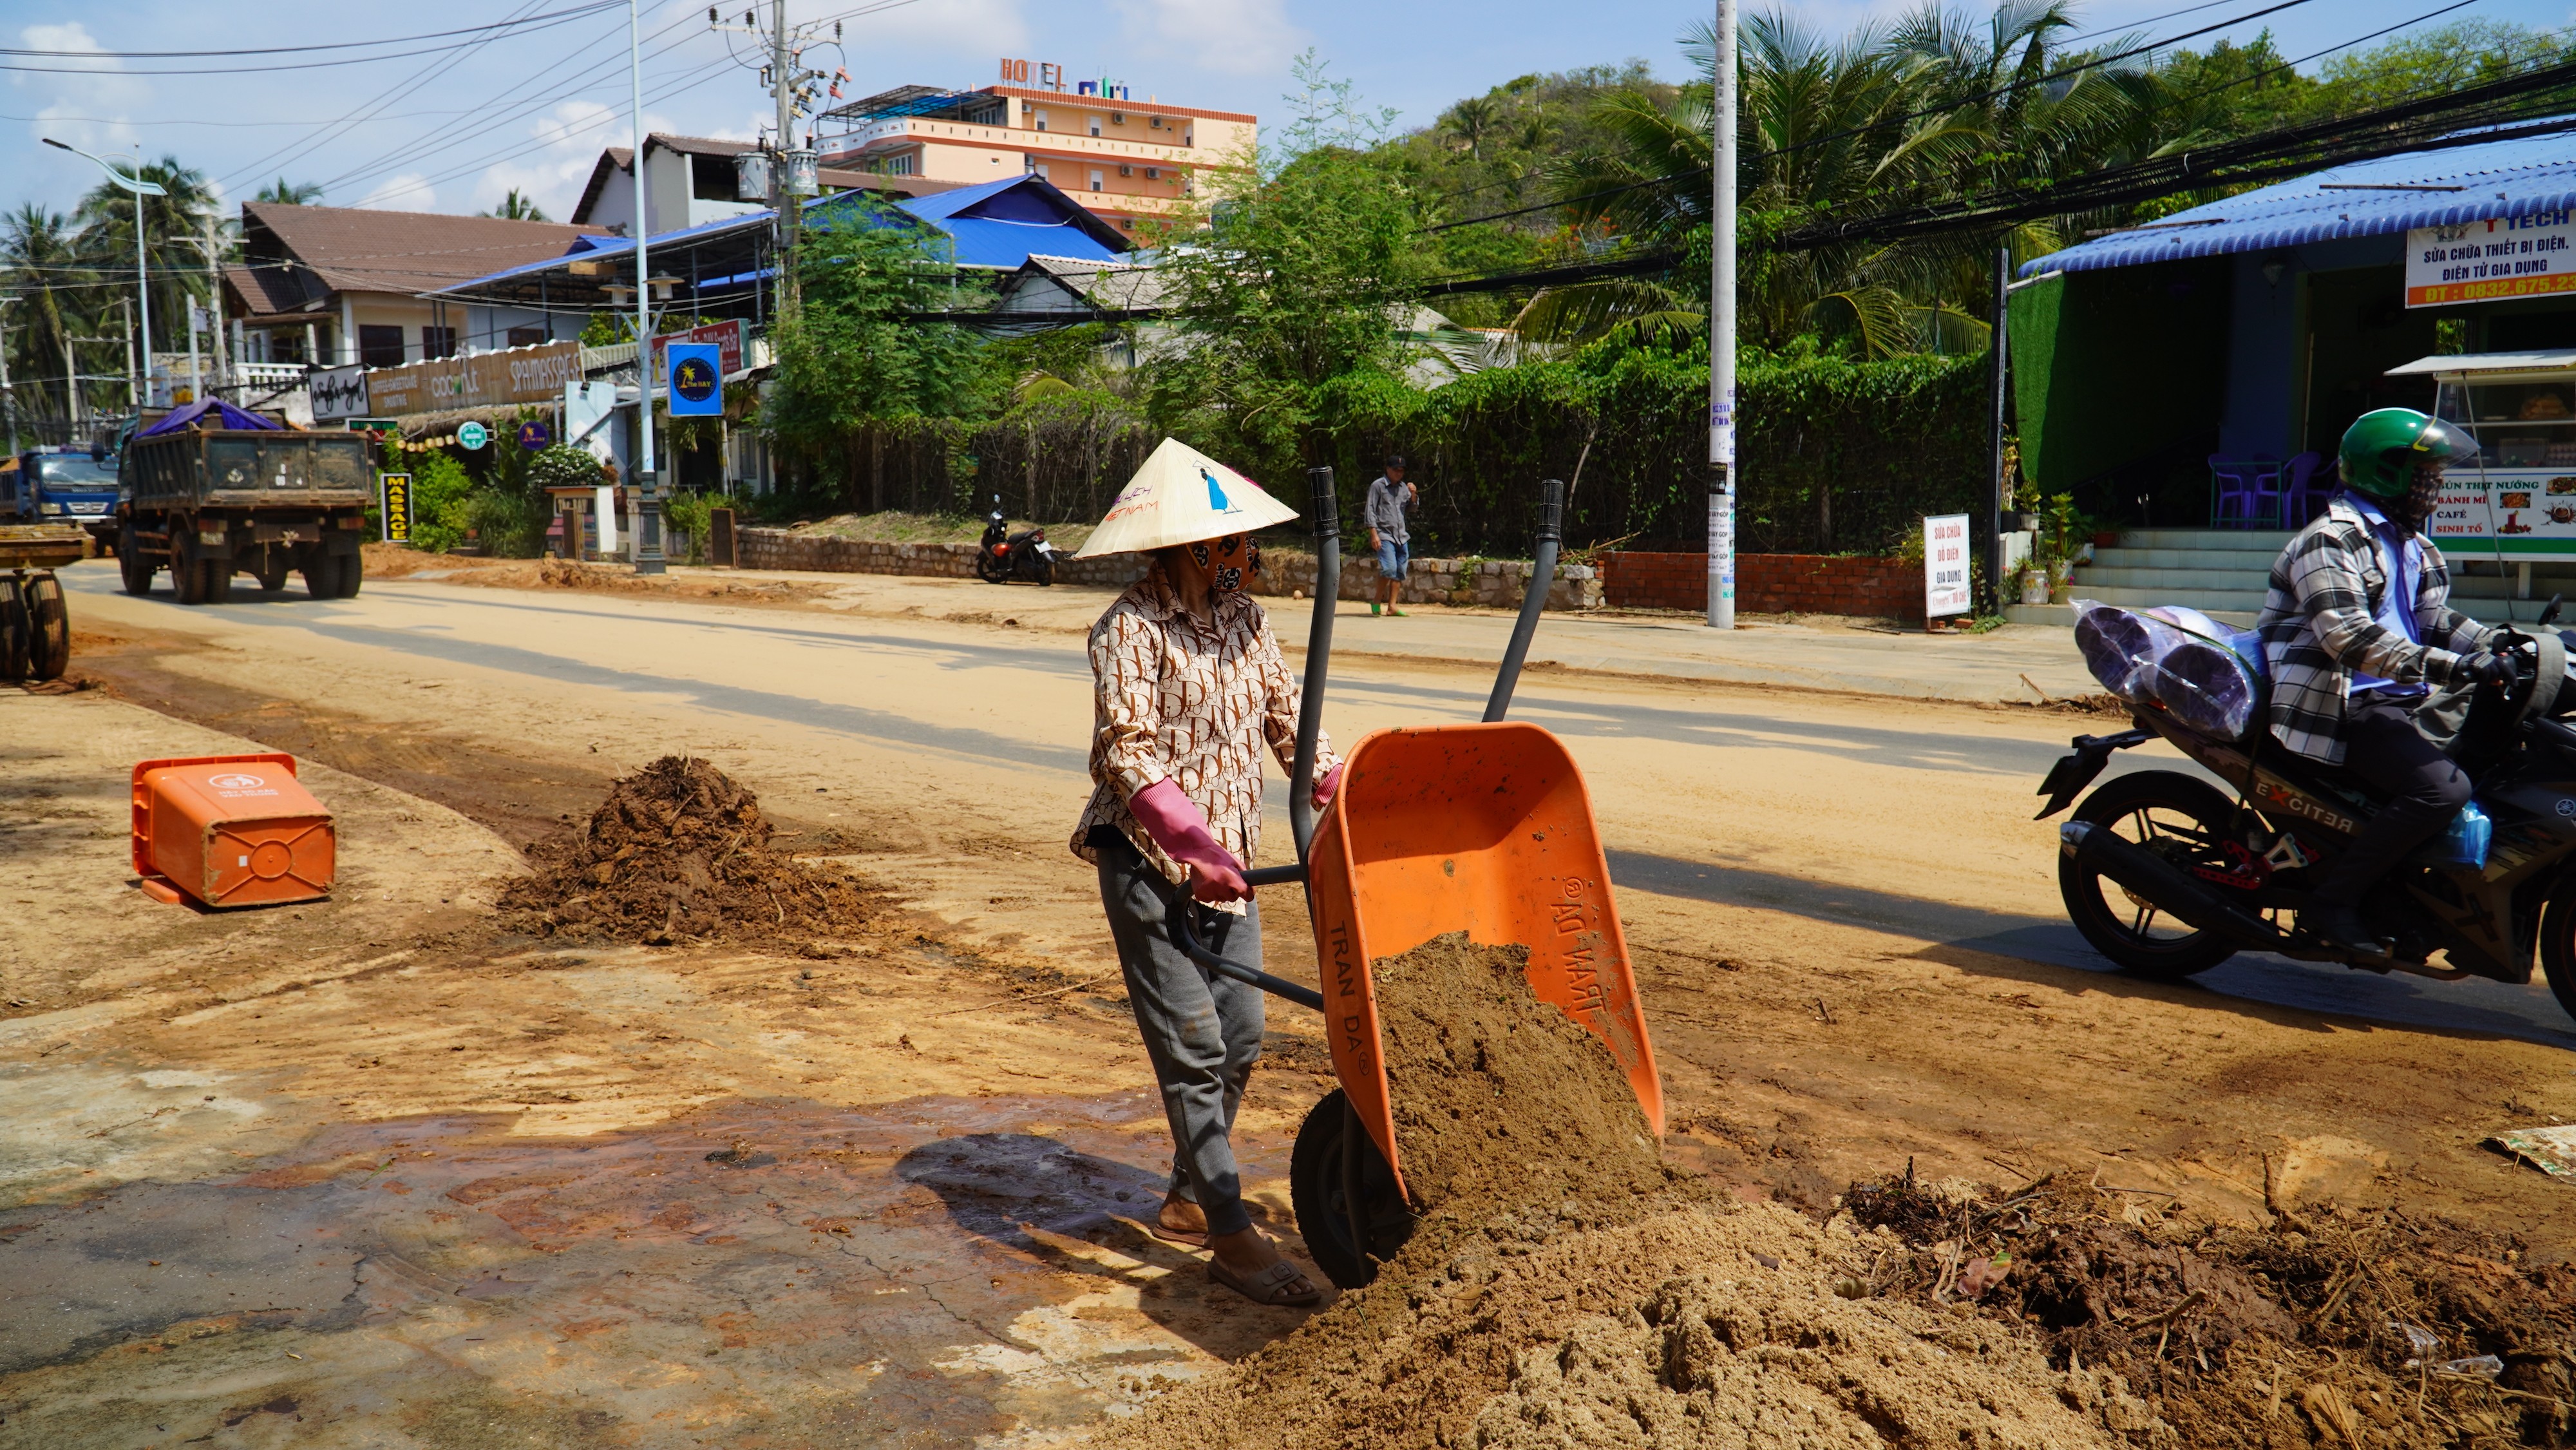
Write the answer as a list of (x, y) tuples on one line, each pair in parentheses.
[(1202, 1031)]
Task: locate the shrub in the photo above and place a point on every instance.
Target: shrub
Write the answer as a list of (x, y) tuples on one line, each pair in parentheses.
[(441, 491)]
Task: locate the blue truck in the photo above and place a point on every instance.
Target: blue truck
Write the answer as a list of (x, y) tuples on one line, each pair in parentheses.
[(59, 486)]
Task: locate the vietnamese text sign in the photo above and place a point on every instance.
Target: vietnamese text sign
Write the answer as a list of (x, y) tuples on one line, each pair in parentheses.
[(516, 375), (727, 336), (1945, 565), (2507, 510), (397, 513), (2530, 256)]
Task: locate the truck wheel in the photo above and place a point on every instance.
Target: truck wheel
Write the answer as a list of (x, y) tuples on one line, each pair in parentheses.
[(321, 575), (217, 585), (13, 630), (187, 574), (131, 565), (49, 629), (353, 572), (272, 571)]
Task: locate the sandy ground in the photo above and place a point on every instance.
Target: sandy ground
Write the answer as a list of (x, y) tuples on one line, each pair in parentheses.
[(364, 1173)]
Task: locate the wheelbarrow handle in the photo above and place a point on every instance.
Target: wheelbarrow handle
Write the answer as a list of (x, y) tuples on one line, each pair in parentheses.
[(1289, 875), (1326, 505), (1551, 532), (1188, 940)]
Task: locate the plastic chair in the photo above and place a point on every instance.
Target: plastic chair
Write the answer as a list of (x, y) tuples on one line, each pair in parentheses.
[(2305, 497), (2251, 485)]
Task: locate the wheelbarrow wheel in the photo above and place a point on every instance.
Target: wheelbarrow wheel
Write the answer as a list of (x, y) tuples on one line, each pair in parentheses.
[(14, 631), (49, 628), (1334, 1169)]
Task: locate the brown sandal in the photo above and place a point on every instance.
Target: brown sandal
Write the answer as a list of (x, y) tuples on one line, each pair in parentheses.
[(1270, 1285), (1187, 1238)]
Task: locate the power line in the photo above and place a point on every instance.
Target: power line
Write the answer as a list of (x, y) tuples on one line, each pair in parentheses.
[(296, 49), (481, 37)]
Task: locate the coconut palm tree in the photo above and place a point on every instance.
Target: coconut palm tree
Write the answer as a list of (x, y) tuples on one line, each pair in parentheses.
[(517, 208), (174, 228), (41, 263), (290, 193)]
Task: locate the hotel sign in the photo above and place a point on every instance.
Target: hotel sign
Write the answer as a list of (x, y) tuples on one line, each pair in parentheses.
[(2489, 261), (517, 375)]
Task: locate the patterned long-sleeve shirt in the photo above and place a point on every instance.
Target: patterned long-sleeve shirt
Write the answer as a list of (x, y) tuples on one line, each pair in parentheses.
[(1190, 702), (2320, 623)]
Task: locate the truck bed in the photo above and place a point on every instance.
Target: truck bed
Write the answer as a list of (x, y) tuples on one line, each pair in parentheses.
[(42, 546)]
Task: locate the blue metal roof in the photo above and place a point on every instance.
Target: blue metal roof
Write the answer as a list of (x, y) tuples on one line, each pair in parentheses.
[(2493, 180)]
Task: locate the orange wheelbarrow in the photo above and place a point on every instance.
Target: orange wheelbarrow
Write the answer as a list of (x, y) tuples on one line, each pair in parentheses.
[(1484, 829)]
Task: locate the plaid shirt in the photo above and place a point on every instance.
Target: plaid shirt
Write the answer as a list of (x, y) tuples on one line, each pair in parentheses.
[(1175, 699), (2320, 623)]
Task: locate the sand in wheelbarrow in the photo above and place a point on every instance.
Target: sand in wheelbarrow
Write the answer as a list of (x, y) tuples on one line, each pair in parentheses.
[(1564, 1289), (679, 851)]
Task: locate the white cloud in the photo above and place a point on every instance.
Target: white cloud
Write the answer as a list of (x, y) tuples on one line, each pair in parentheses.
[(994, 26), (87, 97), (1241, 37), (406, 191), (570, 139)]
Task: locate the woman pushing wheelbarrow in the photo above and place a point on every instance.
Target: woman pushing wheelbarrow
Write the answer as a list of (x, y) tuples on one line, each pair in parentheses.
[(1188, 688)]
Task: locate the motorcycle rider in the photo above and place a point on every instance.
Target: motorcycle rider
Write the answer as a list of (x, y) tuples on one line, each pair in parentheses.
[(2356, 626)]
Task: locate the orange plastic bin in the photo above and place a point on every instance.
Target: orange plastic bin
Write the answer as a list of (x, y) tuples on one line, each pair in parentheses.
[(230, 830)]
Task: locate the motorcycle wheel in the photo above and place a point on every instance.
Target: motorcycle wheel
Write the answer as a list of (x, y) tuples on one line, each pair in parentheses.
[(2558, 942), (1322, 1182), (990, 570), (1045, 571), (2178, 818)]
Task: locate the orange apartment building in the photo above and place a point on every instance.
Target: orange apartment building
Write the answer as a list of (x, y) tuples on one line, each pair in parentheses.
[(1122, 158)]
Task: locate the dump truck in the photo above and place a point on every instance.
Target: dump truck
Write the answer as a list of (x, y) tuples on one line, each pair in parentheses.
[(268, 500)]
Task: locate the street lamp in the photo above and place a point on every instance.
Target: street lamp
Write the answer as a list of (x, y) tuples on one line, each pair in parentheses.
[(142, 290)]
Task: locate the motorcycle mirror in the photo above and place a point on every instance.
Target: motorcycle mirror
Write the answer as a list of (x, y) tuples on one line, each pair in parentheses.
[(2549, 612)]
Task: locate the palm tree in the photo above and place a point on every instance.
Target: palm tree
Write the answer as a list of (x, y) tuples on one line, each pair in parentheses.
[(40, 261), (517, 208), (290, 193), (1471, 121), (174, 227)]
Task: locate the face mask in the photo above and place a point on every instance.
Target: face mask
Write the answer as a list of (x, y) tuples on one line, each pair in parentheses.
[(2422, 497), (1228, 562)]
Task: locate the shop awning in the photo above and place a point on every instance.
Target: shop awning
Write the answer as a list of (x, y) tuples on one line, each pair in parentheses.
[(2452, 186), (2554, 360)]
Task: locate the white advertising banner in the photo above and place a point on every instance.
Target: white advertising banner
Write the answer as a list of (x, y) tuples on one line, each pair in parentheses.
[(1945, 565), (2530, 256), (2507, 510)]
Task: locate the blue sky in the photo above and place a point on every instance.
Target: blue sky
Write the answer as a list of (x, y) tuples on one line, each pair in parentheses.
[(386, 133)]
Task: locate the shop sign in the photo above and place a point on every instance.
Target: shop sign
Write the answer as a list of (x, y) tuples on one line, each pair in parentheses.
[(471, 435), (697, 387), (338, 393), (727, 336), (2507, 510), (534, 435), (1945, 565), (397, 508), (2488, 261), (516, 375)]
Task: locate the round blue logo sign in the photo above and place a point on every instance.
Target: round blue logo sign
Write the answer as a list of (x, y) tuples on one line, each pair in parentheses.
[(692, 379), (533, 435)]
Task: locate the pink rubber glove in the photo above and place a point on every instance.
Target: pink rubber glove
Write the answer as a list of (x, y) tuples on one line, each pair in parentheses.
[(1177, 827), (1324, 788)]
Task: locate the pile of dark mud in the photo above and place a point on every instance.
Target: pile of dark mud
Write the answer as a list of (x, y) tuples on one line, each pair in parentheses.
[(1564, 1289), (2327, 1326), (680, 852)]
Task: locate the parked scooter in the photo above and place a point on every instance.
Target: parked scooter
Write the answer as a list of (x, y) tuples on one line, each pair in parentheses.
[(2168, 876), (1004, 556)]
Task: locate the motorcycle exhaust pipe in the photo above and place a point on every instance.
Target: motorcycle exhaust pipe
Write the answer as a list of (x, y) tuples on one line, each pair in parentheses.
[(2171, 888)]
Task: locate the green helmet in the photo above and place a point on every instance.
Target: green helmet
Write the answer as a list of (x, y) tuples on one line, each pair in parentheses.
[(2382, 447)]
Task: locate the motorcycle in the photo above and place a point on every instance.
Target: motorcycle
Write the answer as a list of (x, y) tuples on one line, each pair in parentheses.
[(2168, 877), (1004, 556)]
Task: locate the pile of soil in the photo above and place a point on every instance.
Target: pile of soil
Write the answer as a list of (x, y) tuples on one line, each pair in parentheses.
[(1563, 1288), (2325, 1326), (679, 851)]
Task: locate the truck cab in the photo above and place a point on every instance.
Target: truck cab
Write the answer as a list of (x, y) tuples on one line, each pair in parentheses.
[(58, 486)]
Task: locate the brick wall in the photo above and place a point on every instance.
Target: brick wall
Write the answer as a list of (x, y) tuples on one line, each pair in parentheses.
[(1768, 584), (1497, 583)]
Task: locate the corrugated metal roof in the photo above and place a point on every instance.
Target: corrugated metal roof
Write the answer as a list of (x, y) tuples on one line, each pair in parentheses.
[(2494, 180)]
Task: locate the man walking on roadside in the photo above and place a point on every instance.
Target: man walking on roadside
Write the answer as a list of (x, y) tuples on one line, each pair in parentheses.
[(1383, 513)]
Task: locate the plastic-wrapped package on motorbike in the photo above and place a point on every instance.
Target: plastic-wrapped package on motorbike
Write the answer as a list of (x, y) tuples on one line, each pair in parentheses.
[(2202, 673)]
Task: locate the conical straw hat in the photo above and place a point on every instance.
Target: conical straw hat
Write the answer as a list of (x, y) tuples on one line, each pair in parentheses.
[(1182, 496)]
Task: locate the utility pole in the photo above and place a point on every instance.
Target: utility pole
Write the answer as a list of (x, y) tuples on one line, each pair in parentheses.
[(8, 395), (782, 88), (1724, 478), (133, 383), (648, 502), (215, 302), (1995, 440)]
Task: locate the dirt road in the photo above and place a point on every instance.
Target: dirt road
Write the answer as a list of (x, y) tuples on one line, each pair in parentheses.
[(369, 1174)]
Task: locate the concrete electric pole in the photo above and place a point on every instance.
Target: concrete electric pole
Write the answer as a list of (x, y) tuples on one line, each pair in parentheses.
[(1723, 476), (646, 510)]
